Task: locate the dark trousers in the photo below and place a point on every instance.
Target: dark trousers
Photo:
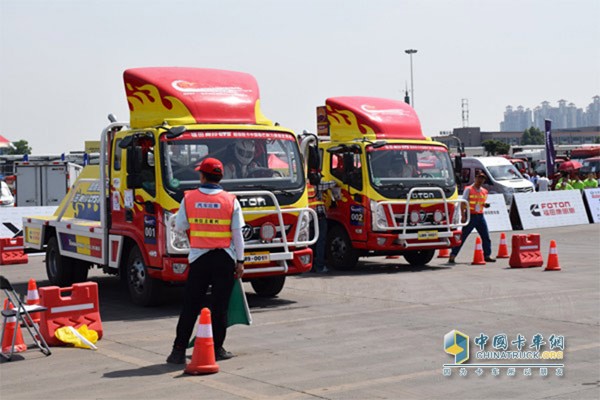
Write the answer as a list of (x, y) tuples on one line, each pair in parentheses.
[(478, 223), (215, 268)]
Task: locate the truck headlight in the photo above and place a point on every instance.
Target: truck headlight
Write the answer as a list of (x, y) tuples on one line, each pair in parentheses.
[(378, 219), (177, 242), (304, 230)]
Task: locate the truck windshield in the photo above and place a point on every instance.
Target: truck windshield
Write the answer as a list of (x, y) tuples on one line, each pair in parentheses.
[(251, 160), (406, 166), (504, 172)]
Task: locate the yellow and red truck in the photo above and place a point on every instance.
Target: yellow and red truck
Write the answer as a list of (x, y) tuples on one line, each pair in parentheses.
[(394, 191), (120, 214)]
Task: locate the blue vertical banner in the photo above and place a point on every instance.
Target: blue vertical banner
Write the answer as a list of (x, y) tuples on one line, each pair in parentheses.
[(550, 152)]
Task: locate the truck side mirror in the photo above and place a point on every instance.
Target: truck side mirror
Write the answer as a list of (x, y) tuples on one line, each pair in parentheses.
[(314, 159)]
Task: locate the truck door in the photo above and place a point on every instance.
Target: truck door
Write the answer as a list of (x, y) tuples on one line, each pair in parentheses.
[(54, 184), (28, 186)]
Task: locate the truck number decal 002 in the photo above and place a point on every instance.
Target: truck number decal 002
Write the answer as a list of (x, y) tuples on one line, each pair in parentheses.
[(357, 215)]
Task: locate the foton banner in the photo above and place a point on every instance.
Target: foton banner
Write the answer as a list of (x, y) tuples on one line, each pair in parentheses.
[(592, 197), (496, 215), (547, 209)]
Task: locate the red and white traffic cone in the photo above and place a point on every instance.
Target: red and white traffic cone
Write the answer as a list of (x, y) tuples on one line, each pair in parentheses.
[(203, 357), (33, 298)]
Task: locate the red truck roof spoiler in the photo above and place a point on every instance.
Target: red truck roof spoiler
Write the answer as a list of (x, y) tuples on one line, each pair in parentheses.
[(183, 96), (347, 118)]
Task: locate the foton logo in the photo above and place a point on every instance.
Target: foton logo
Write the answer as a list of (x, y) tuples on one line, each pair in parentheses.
[(552, 209), (253, 202), (423, 195)]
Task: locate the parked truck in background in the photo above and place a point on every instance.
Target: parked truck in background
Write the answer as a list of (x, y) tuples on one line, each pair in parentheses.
[(43, 183), (120, 215), (374, 209)]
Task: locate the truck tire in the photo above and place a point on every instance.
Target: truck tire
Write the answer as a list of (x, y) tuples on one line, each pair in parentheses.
[(58, 268), (419, 257), (80, 270), (143, 289), (339, 252), (269, 286)]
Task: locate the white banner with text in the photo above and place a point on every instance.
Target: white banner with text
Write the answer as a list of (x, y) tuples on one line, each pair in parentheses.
[(496, 215), (11, 218), (592, 197), (548, 209)]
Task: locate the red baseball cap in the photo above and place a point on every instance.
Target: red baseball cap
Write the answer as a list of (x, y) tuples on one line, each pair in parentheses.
[(211, 166)]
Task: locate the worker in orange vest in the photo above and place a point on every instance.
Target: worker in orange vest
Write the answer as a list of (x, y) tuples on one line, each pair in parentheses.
[(214, 220), (476, 195)]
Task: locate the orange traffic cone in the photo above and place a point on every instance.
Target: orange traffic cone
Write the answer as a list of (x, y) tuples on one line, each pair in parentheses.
[(443, 253), (503, 249), (33, 298), (9, 333), (552, 258), (478, 258), (203, 357)]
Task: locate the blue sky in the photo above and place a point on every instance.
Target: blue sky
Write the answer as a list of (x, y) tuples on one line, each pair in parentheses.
[(61, 61)]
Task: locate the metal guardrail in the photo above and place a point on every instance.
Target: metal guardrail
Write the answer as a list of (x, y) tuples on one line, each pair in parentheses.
[(452, 222)]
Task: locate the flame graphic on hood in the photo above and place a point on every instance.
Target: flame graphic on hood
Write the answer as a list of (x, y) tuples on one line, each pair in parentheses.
[(345, 122), (148, 108)]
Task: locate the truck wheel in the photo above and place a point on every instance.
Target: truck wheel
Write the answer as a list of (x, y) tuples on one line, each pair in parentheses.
[(58, 268), (143, 289), (269, 286), (340, 253), (419, 257), (80, 270)]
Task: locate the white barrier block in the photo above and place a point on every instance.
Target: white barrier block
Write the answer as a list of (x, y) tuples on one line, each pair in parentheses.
[(496, 216), (11, 218), (593, 199), (548, 209)]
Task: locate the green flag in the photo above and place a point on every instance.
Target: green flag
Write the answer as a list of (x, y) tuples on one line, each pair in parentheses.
[(238, 311)]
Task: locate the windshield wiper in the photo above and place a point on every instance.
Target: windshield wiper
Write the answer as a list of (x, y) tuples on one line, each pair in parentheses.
[(393, 185), (267, 187)]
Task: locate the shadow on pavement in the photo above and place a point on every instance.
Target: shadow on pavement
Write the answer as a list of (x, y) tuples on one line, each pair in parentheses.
[(149, 370)]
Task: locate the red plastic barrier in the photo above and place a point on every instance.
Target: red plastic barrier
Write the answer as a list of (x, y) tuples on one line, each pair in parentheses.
[(526, 251), (80, 308), (12, 252)]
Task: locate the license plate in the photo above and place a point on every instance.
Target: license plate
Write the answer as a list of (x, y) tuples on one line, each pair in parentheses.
[(257, 258), (427, 235)]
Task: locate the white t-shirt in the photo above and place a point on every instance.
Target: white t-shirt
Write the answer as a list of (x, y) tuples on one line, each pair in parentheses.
[(543, 184)]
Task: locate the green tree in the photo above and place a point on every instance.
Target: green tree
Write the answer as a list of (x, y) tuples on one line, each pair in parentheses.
[(494, 147), (533, 136), (21, 147)]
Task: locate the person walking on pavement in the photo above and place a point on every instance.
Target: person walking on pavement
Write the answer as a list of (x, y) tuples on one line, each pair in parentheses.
[(476, 195), (214, 220)]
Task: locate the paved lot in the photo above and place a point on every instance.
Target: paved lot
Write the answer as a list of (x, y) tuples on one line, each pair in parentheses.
[(373, 333)]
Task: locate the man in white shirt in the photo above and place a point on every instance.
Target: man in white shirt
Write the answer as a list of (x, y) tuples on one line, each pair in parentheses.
[(543, 183)]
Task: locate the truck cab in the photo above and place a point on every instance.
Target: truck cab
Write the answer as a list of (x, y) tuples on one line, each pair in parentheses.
[(394, 189)]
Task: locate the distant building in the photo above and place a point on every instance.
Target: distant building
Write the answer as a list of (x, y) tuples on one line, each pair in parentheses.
[(565, 116), (516, 120), (474, 137)]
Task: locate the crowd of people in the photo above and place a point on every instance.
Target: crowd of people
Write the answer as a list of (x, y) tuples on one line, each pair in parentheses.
[(564, 180)]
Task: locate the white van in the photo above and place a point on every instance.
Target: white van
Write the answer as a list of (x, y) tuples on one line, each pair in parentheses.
[(6, 197), (502, 175)]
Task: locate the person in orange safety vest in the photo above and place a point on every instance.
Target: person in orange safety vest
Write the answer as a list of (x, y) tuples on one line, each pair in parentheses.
[(476, 195), (214, 220)]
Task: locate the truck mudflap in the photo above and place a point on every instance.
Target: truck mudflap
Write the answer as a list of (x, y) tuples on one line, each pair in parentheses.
[(259, 258), (412, 231)]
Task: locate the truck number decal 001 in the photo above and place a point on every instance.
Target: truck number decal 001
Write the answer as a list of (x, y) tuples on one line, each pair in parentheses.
[(357, 215), (149, 229)]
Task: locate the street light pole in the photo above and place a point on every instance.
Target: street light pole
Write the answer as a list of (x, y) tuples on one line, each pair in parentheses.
[(410, 52)]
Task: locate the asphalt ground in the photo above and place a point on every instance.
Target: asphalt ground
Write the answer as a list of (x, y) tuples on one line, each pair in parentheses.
[(373, 333)]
